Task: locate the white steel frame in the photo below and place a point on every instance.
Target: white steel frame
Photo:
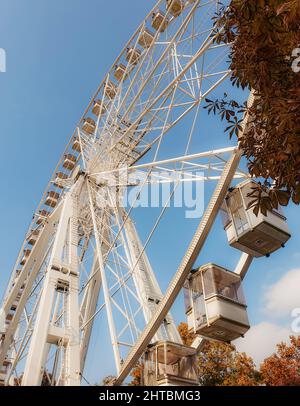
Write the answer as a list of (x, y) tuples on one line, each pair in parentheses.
[(88, 250)]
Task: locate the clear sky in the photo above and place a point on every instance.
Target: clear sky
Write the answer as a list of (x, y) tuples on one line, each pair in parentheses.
[(57, 53)]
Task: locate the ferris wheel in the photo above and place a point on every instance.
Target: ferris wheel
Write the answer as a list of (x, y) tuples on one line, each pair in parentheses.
[(83, 256)]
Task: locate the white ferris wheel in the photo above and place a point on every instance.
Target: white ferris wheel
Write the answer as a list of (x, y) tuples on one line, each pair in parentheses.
[(82, 255)]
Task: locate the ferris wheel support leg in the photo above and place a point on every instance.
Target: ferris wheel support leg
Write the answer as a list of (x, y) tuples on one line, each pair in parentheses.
[(89, 311), (148, 289), (90, 300), (27, 277), (185, 267), (62, 279), (105, 287), (71, 373), (34, 367)]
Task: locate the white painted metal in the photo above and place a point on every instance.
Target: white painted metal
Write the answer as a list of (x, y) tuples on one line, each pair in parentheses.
[(22, 284), (243, 265), (88, 309), (256, 235), (2, 322), (148, 289), (185, 267), (215, 304), (193, 251), (241, 269), (62, 274), (88, 249), (170, 364), (104, 283)]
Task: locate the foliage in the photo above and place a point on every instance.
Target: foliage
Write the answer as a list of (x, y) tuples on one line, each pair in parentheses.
[(263, 35), (283, 368), (137, 374), (186, 336), (221, 365), (107, 380), (46, 380)]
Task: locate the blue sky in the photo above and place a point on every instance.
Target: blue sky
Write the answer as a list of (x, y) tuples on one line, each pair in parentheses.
[(58, 51)]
